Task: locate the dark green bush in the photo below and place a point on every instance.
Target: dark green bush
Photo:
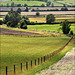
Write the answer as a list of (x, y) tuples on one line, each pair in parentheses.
[(1, 22)]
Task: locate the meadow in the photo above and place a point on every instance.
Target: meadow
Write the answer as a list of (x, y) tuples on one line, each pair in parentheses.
[(69, 2), (49, 27), (27, 48), (29, 3)]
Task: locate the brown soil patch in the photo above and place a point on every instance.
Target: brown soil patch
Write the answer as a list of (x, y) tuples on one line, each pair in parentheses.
[(4, 31)]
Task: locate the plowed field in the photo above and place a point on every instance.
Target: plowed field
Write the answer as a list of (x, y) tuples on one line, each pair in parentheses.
[(13, 32)]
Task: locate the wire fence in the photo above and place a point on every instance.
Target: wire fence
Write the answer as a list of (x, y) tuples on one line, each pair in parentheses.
[(17, 68)]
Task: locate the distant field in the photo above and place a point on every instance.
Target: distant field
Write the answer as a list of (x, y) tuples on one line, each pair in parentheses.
[(68, 2), (44, 13), (15, 50), (50, 27), (40, 8), (42, 19), (29, 3)]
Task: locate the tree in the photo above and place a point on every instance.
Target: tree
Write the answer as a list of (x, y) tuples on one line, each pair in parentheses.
[(6, 19), (65, 26), (52, 5), (11, 9), (71, 33), (25, 5), (64, 9), (7, 4), (26, 9), (37, 13), (12, 4), (50, 18), (22, 24), (42, 5), (12, 19), (19, 10), (18, 5), (48, 3), (1, 22), (26, 19)]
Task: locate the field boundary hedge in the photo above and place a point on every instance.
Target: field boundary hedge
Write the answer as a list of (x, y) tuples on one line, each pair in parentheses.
[(33, 63)]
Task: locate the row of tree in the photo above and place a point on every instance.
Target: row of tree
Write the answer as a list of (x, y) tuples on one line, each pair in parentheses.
[(14, 19)]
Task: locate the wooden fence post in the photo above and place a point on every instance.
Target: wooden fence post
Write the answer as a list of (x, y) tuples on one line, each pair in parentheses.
[(44, 58), (35, 62), (6, 70), (14, 69), (41, 60), (21, 67), (31, 63), (38, 61), (27, 65)]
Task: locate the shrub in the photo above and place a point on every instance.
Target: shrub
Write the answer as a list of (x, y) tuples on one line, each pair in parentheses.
[(22, 24), (1, 22), (71, 33), (37, 14)]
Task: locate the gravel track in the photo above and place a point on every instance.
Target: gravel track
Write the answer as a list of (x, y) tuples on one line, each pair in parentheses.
[(66, 66), (14, 32)]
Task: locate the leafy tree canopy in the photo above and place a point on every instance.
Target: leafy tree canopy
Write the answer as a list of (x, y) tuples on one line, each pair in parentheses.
[(12, 19), (50, 18), (65, 26)]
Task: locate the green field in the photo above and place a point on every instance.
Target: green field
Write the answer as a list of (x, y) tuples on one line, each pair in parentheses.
[(68, 2), (29, 3), (50, 27), (15, 50)]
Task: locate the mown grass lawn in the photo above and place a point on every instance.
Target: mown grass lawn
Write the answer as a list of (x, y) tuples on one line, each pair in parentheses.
[(16, 50)]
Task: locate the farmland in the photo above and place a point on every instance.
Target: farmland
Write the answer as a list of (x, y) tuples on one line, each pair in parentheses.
[(50, 27), (26, 48), (57, 19), (40, 8), (29, 3), (44, 13), (69, 2)]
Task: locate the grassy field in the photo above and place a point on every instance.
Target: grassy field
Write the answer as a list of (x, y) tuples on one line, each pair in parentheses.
[(50, 62), (69, 2), (50, 27), (43, 19), (29, 3), (27, 48)]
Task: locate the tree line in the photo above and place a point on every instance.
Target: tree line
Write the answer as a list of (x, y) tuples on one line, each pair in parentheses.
[(14, 19)]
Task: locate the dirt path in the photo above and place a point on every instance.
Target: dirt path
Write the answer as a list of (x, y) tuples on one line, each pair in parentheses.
[(66, 66)]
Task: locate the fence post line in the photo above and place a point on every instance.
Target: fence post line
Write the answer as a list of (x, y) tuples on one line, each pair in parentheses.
[(14, 69), (21, 67), (38, 61), (6, 70), (27, 65), (35, 62), (31, 63)]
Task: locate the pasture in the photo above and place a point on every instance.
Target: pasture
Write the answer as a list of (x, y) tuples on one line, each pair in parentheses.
[(69, 2), (15, 50), (29, 3), (49, 27)]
